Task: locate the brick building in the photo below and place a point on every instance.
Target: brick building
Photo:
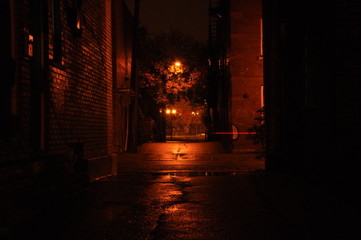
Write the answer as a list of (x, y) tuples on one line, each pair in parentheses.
[(312, 91), (246, 69), (312, 100), (311, 82), (65, 78), (219, 98), (236, 70)]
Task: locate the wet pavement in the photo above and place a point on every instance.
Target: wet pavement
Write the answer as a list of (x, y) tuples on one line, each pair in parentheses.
[(171, 191)]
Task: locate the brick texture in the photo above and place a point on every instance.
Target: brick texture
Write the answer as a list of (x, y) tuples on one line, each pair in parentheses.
[(63, 99), (246, 68)]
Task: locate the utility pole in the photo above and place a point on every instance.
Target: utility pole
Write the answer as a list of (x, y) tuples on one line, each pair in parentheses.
[(133, 137)]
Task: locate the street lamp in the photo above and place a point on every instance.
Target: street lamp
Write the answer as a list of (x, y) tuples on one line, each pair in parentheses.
[(176, 67), (194, 114), (162, 123), (171, 113)]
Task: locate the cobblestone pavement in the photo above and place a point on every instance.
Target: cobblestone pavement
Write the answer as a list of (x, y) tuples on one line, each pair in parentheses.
[(170, 191)]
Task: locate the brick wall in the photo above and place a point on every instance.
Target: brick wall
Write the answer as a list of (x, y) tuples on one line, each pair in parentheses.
[(62, 98), (312, 91), (80, 86), (246, 68)]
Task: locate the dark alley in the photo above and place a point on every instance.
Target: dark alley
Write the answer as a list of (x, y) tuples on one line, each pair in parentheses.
[(180, 119), (174, 191)]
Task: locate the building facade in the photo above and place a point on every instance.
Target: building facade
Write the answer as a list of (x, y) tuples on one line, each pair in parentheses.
[(312, 105), (246, 70), (64, 96), (305, 57), (219, 96), (235, 71), (312, 57)]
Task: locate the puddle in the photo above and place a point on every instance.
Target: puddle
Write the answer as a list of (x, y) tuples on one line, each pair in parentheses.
[(180, 156), (200, 174)]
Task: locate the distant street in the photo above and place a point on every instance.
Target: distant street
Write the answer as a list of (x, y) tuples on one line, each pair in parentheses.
[(176, 157), (170, 191)]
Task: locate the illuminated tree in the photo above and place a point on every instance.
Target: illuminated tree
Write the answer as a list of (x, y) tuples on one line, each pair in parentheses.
[(171, 67)]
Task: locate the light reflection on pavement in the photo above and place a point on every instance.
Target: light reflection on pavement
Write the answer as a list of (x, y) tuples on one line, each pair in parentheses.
[(167, 191)]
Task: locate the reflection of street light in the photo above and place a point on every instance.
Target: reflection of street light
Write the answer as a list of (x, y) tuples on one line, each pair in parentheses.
[(171, 112)]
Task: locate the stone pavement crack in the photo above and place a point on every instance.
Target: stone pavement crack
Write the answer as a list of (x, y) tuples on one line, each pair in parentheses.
[(180, 184), (156, 228)]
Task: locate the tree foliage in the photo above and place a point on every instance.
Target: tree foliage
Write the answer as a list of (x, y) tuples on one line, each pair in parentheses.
[(165, 82), (162, 83)]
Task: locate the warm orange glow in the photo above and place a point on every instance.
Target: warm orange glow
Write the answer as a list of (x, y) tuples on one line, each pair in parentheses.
[(173, 111), (176, 68), (30, 45), (240, 133), (78, 24), (172, 209)]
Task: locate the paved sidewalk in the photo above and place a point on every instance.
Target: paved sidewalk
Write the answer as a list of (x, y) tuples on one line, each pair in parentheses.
[(184, 191), (187, 157)]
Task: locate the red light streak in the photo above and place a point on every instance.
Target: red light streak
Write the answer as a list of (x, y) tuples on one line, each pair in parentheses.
[(240, 133)]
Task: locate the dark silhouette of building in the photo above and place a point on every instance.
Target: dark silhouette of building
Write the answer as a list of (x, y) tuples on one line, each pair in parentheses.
[(219, 97), (312, 76), (65, 81), (312, 105)]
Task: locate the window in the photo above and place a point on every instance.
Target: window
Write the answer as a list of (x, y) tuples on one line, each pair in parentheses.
[(56, 31), (260, 57), (74, 20)]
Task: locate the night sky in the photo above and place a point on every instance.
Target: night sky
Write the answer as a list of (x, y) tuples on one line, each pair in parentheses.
[(188, 16)]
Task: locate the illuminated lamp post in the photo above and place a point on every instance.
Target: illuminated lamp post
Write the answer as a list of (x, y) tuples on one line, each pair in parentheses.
[(162, 125), (171, 113), (194, 114)]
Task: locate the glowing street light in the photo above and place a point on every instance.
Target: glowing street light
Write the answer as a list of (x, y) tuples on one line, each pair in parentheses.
[(176, 67), (171, 113), (194, 114)]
